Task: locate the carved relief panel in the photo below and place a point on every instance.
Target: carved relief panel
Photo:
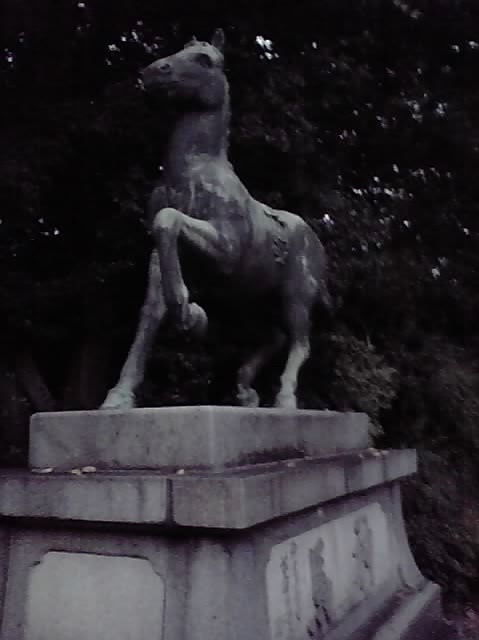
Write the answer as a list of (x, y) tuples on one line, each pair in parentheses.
[(314, 579)]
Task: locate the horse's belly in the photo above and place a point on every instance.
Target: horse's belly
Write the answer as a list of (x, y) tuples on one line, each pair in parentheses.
[(207, 279)]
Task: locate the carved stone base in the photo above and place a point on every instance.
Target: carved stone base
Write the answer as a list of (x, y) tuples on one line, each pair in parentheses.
[(296, 546)]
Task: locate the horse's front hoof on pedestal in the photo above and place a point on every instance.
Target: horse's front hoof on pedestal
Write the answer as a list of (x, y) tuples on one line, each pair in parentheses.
[(117, 399), (286, 401)]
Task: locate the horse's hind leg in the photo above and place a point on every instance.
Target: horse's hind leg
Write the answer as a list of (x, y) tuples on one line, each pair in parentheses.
[(301, 285), (298, 354), (122, 395), (169, 224), (298, 303), (246, 395)]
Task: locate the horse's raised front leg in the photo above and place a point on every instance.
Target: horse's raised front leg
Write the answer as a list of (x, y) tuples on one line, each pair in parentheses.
[(168, 226), (246, 395), (122, 395)]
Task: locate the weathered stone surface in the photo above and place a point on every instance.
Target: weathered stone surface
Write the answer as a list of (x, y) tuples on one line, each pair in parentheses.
[(405, 620), (242, 499), (316, 578), (83, 596), (4, 563), (172, 438), (307, 540), (232, 499), (343, 571), (94, 498)]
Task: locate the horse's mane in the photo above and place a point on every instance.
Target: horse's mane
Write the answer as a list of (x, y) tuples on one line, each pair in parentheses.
[(193, 42)]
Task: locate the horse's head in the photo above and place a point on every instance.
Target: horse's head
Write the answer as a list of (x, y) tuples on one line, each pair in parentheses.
[(194, 75)]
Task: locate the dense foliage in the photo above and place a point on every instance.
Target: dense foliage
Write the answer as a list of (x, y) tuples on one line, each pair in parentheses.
[(362, 116)]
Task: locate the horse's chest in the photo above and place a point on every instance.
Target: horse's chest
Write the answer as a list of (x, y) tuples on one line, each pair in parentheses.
[(204, 200)]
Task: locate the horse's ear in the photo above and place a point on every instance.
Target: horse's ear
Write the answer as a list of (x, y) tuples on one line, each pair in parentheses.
[(191, 42), (218, 40)]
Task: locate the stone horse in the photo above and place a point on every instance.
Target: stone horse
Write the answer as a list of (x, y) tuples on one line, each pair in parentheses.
[(255, 248)]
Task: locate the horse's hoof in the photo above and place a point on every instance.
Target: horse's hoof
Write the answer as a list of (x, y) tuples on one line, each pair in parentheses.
[(247, 397), (286, 401), (198, 320), (117, 399)]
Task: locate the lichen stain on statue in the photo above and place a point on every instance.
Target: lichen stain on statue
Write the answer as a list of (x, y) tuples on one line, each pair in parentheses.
[(201, 203)]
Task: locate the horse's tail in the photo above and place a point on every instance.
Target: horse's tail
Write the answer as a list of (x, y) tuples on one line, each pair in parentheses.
[(324, 299), (324, 307)]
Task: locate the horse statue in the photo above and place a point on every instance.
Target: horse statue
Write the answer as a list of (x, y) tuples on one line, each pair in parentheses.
[(201, 205)]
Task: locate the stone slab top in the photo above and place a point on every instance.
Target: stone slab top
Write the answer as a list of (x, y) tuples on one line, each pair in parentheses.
[(195, 437), (230, 499)]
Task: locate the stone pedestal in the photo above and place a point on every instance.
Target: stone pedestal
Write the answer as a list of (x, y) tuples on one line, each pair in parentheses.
[(208, 523)]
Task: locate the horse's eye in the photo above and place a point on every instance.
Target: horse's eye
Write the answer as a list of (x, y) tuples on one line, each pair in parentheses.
[(204, 59)]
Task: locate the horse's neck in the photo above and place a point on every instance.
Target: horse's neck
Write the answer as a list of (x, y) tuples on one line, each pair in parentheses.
[(197, 134)]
